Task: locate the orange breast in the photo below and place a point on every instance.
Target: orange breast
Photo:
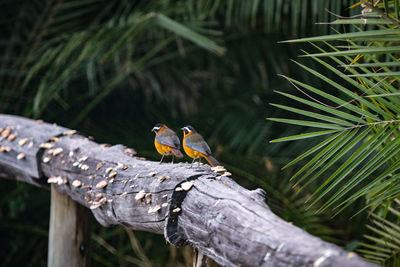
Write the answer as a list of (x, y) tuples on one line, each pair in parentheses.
[(162, 149), (190, 152)]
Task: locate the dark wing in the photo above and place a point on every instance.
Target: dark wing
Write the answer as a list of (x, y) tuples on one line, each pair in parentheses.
[(196, 142), (168, 138)]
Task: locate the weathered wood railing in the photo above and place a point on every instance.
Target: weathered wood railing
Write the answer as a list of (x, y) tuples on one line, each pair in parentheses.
[(198, 206)]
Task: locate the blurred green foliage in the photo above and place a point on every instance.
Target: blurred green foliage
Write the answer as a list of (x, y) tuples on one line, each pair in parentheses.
[(112, 69)]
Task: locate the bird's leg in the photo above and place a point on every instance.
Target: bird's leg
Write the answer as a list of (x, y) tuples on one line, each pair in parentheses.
[(172, 159), (198, 163), (191, 165), (162, 158)]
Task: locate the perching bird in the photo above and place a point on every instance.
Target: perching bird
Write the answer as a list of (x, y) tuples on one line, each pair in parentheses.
[(166, 142), (195, 146)]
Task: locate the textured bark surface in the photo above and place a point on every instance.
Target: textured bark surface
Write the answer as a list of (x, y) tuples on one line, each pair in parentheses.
[(196, 206)]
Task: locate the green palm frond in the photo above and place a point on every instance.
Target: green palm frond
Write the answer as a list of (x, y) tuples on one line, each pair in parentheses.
[(382, 245), (359, 110)]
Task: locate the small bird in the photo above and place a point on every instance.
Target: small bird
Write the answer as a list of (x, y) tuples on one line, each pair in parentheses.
[(166, 142), (195, 146)]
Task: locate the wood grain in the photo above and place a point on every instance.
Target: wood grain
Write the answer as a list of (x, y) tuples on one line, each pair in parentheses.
[(194, 206), (69, 237)]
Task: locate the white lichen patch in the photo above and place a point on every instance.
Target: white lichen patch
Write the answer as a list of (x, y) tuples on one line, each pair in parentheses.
[(76, 183), (84, 167), (12, 137), (71, 132), (46, 145), (101, 184), (176, 210), (57, 151), (179, 189), (6, 132), (125, 194), (122, 166), (82, 159), (113, 174), (99, 165), (55, 139), (220, 169), (95, 206), (350, 255), (20, 156), (56, 180), (187, 185), (140, 195), (151, 174), (46, 159), (154, 209), (109, 169), (162, 178), (5, 149), (23, 141)]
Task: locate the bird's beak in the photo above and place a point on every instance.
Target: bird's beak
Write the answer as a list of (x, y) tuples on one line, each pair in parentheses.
[(183, 128), (154, 129)]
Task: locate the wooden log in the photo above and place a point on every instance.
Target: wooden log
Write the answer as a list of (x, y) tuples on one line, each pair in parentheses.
[(69, 236), (198, 206)]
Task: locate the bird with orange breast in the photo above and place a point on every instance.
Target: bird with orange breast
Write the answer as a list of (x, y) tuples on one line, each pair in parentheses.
[(166, 142), (195, 146)]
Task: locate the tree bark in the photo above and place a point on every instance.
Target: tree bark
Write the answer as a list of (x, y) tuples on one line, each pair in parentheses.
[(69, 236), (198, 206)]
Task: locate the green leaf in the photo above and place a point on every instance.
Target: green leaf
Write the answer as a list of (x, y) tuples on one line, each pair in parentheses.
[(382, 157), (351, 163), (375, 65), (303, 136), (307, 123), (361, 87), (332, 150), (347, 92), (364, 35), (364, 51), (367, 21), (315, 115), (338, 152), (377, 74), (187, 33), (333, 111), (313, 149)]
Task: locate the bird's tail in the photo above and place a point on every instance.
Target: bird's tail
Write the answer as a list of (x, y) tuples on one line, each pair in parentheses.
[(177, 153), (213, 162)]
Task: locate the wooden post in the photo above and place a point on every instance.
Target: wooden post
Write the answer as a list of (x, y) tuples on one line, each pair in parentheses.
[(201, 260), (68, 234)]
